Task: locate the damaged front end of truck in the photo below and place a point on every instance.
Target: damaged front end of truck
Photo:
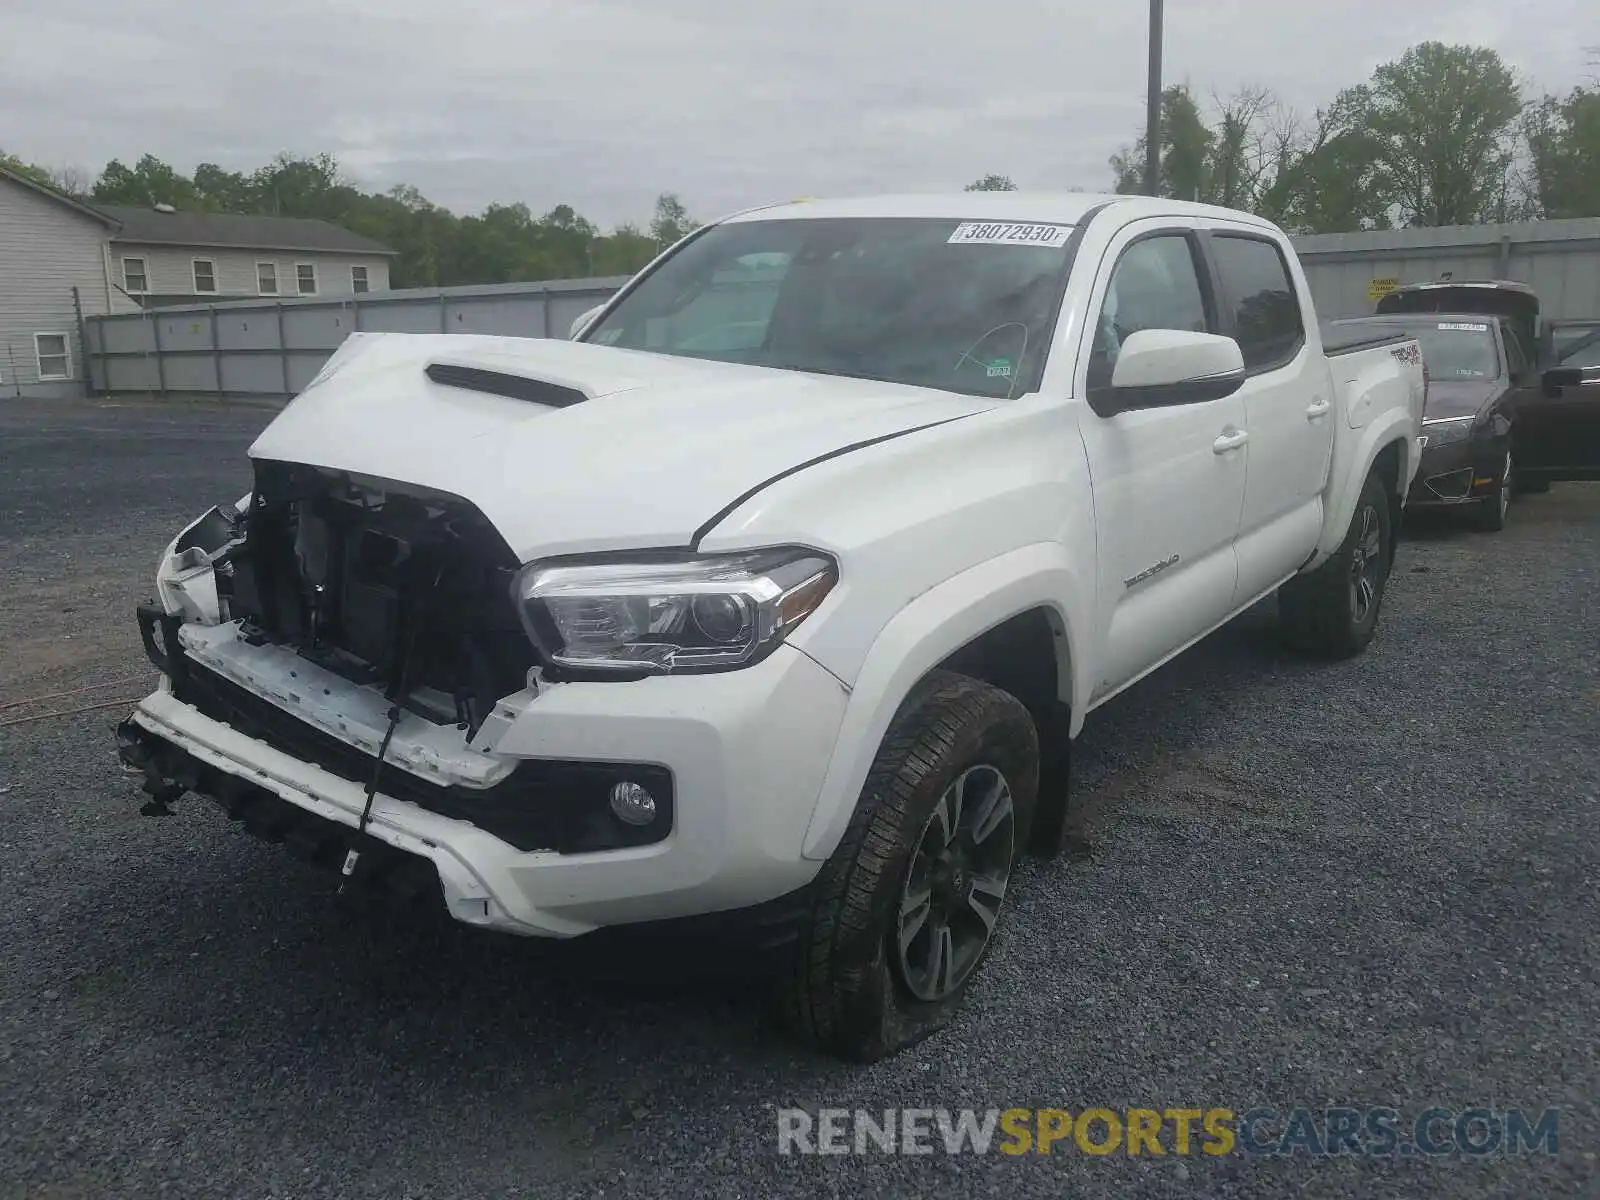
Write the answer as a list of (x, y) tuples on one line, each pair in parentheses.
[(369, 629)]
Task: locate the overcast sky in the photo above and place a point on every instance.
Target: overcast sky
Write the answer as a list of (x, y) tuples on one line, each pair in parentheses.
[(603, 103)]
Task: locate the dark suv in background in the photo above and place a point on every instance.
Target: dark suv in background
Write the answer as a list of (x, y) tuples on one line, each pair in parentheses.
[(1513, 402)]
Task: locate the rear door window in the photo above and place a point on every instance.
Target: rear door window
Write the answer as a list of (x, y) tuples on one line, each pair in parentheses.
[(1258, 293)]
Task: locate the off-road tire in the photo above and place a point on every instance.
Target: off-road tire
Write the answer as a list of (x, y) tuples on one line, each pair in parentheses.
[(1318, 612), (843, 993)]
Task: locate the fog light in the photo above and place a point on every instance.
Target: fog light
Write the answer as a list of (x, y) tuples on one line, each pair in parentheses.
[(632, 803)]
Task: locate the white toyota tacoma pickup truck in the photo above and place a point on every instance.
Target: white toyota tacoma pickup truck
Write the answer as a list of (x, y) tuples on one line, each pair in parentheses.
[(774, 597)]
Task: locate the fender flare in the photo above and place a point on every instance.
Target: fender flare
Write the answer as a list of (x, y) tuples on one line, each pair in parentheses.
[(923, 634), (1349, 472)]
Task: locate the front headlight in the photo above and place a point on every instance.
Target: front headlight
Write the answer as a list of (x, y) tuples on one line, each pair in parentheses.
[(1443, 430), (671, 617)]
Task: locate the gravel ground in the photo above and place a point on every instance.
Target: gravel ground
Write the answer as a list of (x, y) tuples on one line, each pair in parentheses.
[(1365, 884)]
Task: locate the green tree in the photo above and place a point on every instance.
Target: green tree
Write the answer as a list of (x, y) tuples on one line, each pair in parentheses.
[(623, 251), (224, 191), (148, 182), (1231, 152), (671, 220), (26, 169), (434, 247), (1563, 137), (1331, 179), (992, 183), (1186, 146), (1443, 122), (302, 187)]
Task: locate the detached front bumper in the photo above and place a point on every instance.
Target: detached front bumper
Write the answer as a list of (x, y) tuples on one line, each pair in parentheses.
[(742, 755)]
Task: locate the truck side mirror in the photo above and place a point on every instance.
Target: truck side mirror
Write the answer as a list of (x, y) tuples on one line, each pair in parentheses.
[(1157, 368)]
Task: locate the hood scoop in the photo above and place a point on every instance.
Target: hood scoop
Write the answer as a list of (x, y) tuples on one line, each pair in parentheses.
[(505, 383)]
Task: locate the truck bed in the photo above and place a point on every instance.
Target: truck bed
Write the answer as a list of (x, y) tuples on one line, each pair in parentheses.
[(1339, 338)]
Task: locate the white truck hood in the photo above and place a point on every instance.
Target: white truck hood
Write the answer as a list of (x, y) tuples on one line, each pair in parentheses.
[(658, 447)]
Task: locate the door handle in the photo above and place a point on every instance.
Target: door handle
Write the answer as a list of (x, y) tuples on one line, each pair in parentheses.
[(1318, 408), (1231, 439)]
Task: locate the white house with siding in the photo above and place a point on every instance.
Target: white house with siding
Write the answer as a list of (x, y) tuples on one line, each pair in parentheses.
[(61, 259), (49, 245), (161, 256)]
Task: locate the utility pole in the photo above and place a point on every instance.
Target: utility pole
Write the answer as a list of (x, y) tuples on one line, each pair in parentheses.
[(1152, 120)]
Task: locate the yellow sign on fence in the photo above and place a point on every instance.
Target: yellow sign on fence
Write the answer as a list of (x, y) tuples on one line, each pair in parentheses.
[(1379, 288)]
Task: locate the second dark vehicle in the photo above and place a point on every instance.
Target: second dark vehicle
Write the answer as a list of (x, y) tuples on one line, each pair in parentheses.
[(1476, 370), (1495, 423)]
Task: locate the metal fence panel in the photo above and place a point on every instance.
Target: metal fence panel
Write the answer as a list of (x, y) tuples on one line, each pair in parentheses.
[(303, 368), (185, 333), (253, 375), (250, 329), (130, 374), (509, 316), (131, 334), (320, 328), (192, 374), (273, 348), (1559, 259), (423, 315)]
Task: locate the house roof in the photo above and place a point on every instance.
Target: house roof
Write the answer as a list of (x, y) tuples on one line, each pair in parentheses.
[(222, 231), (50, 193)]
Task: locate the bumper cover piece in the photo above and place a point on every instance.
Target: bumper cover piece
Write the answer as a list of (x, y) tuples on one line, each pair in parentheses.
[(397, 875), (543, 804), (170, 771)]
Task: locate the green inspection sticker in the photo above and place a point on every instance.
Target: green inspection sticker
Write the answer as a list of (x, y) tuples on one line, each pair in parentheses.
[(999, 368)]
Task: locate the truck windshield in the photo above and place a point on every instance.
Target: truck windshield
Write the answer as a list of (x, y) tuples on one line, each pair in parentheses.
[(1458, 349), (958, 305)]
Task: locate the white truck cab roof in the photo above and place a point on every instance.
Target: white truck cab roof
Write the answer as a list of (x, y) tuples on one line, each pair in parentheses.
[(1065, 207)]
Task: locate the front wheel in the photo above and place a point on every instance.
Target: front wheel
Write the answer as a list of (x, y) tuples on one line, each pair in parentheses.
[(1492, 509), (1333, 611), (905, 910)]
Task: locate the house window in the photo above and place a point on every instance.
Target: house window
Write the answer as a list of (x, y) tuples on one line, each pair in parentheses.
[(267, 278), (135, 279), (358, 280), (50, 350), (305, 278), (205, 275)]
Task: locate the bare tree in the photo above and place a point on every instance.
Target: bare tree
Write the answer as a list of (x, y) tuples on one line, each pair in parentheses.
[(1242, 158), (74, 181)]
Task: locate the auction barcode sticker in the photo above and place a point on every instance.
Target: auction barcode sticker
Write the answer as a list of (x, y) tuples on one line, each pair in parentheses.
[(1464, 327), (1000, 233)]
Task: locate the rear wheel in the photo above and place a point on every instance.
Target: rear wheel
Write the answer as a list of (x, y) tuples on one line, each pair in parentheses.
[(1333, 611), (905, 910), (1492, 509)]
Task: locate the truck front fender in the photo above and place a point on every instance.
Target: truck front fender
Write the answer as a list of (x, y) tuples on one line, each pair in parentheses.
[(925, 633), (1354, 454)]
